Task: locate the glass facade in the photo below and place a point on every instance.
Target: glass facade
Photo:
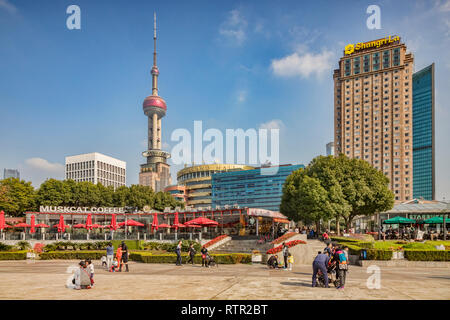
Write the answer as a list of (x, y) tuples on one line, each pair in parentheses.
[(423, 134), (257, 188)]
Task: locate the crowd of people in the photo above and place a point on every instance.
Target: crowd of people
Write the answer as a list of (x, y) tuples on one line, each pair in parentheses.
[(332, 261)]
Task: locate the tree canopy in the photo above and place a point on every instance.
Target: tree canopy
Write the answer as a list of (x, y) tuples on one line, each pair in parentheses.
[(335, 187), (18, 196)]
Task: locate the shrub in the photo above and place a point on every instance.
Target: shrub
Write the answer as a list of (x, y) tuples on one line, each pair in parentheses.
[(353, 249), (131, 244), (5, 247), (375, 254), (427, 255), (38, 247), (170, 247), (23, 245), (231, 258), (15, 255), (72, 255)]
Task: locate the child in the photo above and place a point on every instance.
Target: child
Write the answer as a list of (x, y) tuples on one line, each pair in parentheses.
[(290, 261), (103, 259), (90, 269), (114, 265)]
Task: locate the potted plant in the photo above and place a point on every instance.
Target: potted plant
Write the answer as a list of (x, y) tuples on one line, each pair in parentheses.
[(256, 256)]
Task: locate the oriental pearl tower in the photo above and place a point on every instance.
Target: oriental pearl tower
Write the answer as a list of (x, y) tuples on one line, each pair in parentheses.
[(156, 172)]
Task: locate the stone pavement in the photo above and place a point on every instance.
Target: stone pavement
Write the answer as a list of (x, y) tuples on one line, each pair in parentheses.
[(46, 280)]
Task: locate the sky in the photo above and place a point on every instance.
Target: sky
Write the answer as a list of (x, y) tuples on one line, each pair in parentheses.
[(230, 64)]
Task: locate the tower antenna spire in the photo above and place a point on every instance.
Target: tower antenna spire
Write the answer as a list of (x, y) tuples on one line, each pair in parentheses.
[(155, 71)]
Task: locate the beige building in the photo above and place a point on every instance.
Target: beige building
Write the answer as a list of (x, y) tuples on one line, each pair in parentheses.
[(373, 109), (197, 182)]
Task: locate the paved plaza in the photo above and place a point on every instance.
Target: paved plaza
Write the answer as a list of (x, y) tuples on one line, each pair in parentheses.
[(46, 280)]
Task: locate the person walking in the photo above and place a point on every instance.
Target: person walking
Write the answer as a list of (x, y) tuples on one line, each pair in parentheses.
[(320, 263), (109, 255), (285, 255), (192, 253), (178, 252), (119, 257), (124, 257)]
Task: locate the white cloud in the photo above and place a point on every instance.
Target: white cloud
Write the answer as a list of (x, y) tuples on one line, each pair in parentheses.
[(5, 4), (303, 64), (234, 28), (44, 165), (272, 124), (445, 6)]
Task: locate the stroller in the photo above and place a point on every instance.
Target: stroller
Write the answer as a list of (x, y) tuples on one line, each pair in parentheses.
[(331, 272), (211, 262)]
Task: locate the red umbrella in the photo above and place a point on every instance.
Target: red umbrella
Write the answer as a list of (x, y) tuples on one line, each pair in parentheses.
[(32, 230), (41, 225), (2, 220), (201, 221), (176, 223), (96, 226), (113, 225), (89, 222), (155, 222), (61, 226), (164, 225), (22, 225), (131, 223), (79, 225)]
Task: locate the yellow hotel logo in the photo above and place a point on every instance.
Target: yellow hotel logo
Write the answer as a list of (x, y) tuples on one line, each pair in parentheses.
[(350, 48)]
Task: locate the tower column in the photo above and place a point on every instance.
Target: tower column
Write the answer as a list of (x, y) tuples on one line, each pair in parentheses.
[(159, 134), (155, 131)]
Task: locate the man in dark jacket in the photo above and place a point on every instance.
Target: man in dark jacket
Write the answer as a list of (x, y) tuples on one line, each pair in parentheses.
[(320, 263), (192, 253)]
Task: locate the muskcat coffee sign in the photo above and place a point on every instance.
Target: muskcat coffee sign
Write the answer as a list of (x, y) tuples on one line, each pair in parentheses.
[(62, 209)]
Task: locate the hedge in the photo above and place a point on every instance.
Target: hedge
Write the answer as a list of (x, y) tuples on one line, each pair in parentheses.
[(375, 254), (231, 258), (427, 255), (72, 255), (16, 255)]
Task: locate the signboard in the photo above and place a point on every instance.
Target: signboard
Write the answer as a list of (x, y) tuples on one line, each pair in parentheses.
[(62, 209), (351, 48), (427, 216)]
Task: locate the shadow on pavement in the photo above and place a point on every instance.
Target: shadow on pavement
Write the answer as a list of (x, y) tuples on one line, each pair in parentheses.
[(297, 284)]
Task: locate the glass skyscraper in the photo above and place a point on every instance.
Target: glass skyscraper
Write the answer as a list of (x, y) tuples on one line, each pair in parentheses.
[(423, 134), (257, 188)]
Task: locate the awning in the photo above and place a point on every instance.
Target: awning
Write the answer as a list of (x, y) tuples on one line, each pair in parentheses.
[(256, 212)]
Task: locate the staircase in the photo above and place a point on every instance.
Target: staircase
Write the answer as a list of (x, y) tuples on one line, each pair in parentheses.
[(242, 246), (316, 246)]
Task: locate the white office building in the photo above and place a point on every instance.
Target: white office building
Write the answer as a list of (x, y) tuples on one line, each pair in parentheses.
[(96, 168)]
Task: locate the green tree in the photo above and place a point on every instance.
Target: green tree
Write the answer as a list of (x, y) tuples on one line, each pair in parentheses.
[(85, 194), (120, 196), (106, 195), (350, 187), (163, 200), (53, 192), (140, 196), (304, 199), (18, 197)]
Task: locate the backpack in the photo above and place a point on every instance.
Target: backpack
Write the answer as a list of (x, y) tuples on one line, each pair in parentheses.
[(343, 263)]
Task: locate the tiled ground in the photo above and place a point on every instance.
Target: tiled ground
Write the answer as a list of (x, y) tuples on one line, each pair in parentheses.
[(46, 280)]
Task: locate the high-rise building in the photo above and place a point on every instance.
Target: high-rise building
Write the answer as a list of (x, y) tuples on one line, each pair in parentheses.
[(330, 149), (155, 173), (373, 109), (96, 168), (423, 134), (197, 181), (11, 173), (251, 188)]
